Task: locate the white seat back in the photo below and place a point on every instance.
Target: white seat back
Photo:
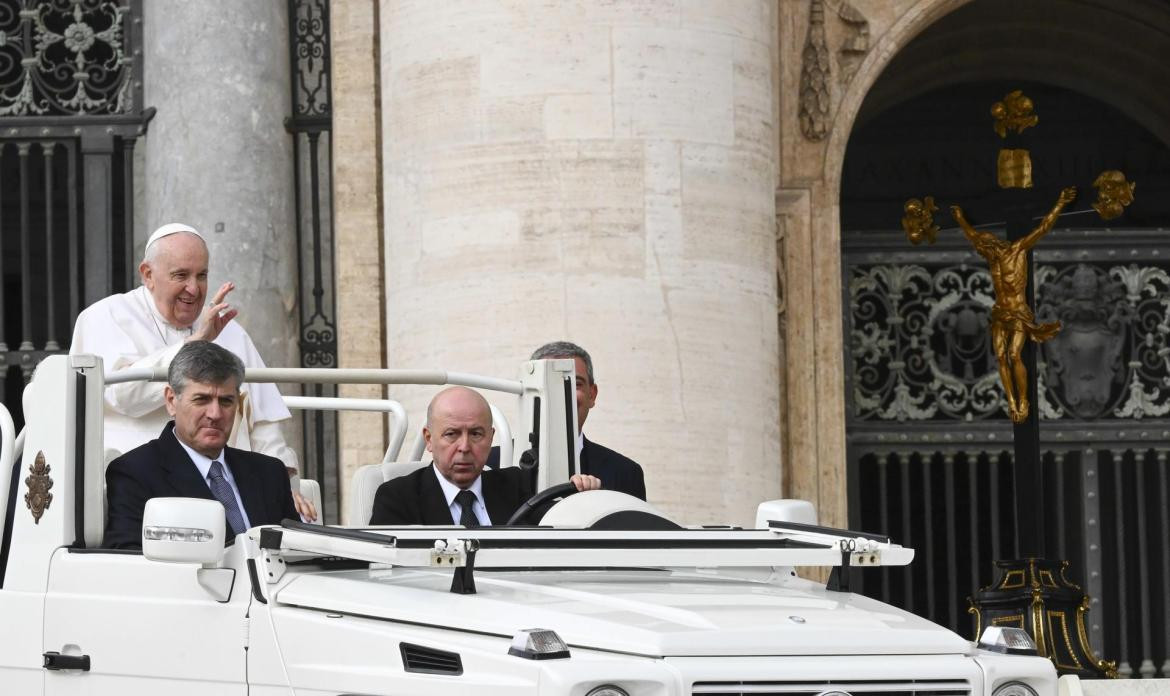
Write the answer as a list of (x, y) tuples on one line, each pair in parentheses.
[(365, 484), (366, 480), (311, 491)]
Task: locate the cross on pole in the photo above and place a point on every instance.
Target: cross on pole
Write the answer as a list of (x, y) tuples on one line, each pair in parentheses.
[(1031, 589)]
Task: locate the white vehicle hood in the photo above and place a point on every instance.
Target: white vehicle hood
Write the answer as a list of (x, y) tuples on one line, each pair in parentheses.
[(653, 613)]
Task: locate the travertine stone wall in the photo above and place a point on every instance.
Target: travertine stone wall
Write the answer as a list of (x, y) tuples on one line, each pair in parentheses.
[(357, 224), (603, 173), (217, 155)]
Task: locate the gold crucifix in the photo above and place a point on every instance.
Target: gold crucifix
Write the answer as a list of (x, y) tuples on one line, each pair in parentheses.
[(1012, 320)]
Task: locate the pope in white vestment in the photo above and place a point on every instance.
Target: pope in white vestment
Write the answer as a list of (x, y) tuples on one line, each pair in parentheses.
[(130, 330)]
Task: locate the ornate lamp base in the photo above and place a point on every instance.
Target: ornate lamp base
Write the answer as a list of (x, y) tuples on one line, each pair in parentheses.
[(1035, 594)]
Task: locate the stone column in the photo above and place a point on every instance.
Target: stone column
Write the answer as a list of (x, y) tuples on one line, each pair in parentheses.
[(357, 225), (217, 155), (603, 174)]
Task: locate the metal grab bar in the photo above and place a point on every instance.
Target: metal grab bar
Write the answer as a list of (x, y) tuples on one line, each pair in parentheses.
[(339, 376), (398, 426)]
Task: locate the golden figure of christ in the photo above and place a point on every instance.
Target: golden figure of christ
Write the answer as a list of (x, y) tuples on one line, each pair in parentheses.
[(1012, 321)]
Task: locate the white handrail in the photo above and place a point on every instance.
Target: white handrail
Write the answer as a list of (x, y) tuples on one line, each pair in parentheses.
[(398, 426), (313, 375)]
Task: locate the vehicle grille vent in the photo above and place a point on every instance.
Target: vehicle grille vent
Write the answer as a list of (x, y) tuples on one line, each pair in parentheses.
[(416, 658), (873, 687)]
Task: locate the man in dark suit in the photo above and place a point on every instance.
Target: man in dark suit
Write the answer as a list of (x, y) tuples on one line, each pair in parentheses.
[(455, 489), (616, 471), (191, 459)]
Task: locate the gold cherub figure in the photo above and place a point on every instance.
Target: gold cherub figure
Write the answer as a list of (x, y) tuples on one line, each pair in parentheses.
[(1012, 321), (1114, 193), (1014, 113), (919, 220)]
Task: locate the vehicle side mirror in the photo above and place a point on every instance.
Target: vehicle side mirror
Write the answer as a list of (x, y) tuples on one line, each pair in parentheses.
[(183, 530)]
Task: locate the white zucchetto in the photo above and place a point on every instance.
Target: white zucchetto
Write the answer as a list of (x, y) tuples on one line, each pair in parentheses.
[(169, 229)]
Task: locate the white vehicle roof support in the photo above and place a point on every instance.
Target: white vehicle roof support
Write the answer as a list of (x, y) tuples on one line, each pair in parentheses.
[(548, 411), (548, 404), (7, 456), (340, 376), (398, 425)]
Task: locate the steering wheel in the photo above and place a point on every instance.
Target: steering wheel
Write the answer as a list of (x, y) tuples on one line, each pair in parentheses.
[(538, 501)]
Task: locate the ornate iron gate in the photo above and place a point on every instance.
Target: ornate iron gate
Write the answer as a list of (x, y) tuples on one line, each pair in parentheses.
[(929, 442), (70, 113), (310, 126)]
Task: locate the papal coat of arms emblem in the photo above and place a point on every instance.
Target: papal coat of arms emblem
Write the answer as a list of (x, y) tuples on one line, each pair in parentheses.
[(38, 497)]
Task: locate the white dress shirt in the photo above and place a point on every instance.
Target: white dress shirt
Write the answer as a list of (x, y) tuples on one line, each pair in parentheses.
[(204, 465), (450, 490)]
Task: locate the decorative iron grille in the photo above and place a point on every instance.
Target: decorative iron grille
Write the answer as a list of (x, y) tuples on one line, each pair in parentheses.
[(70, 115), (929, 441), (310, 126), (67, 57), (920, 348)]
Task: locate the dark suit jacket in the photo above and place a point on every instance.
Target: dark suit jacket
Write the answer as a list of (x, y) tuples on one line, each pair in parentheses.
[(617, 472), (417, 498), (162, 469)]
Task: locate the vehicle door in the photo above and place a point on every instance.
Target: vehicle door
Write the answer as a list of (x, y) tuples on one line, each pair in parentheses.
[(147, 627)]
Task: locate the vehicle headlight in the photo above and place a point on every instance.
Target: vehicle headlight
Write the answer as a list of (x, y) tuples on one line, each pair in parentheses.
[(1014, 689), (611, 690), (538, 644), (1006, 640)]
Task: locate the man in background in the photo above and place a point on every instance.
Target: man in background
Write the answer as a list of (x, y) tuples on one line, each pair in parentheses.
[(616, 471)]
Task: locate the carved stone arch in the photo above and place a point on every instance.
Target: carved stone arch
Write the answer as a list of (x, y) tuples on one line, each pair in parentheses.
[(808, 212)]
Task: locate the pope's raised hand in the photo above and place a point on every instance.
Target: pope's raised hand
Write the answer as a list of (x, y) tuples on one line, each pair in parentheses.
[(216, 316)]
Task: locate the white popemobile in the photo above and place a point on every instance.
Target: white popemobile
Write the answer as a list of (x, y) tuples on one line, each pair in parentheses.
[(607, 598)]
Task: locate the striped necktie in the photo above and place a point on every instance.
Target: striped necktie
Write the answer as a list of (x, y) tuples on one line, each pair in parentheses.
[(222, 490)]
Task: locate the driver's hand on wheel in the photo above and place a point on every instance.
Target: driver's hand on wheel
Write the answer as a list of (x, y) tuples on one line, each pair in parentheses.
[(585, 482)]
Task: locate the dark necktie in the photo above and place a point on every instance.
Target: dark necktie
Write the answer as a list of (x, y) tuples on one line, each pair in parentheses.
[(467, 517), (222, 490)]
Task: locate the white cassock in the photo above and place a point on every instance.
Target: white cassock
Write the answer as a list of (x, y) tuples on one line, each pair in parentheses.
[(128, 331)]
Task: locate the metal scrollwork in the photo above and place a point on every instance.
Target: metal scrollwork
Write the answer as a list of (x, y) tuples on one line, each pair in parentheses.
[(65, 57), (310, 35), (920, 349), (319, 343)]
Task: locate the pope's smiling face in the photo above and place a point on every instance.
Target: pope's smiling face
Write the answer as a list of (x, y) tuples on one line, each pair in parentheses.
[(175, 273), (204, 414)]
